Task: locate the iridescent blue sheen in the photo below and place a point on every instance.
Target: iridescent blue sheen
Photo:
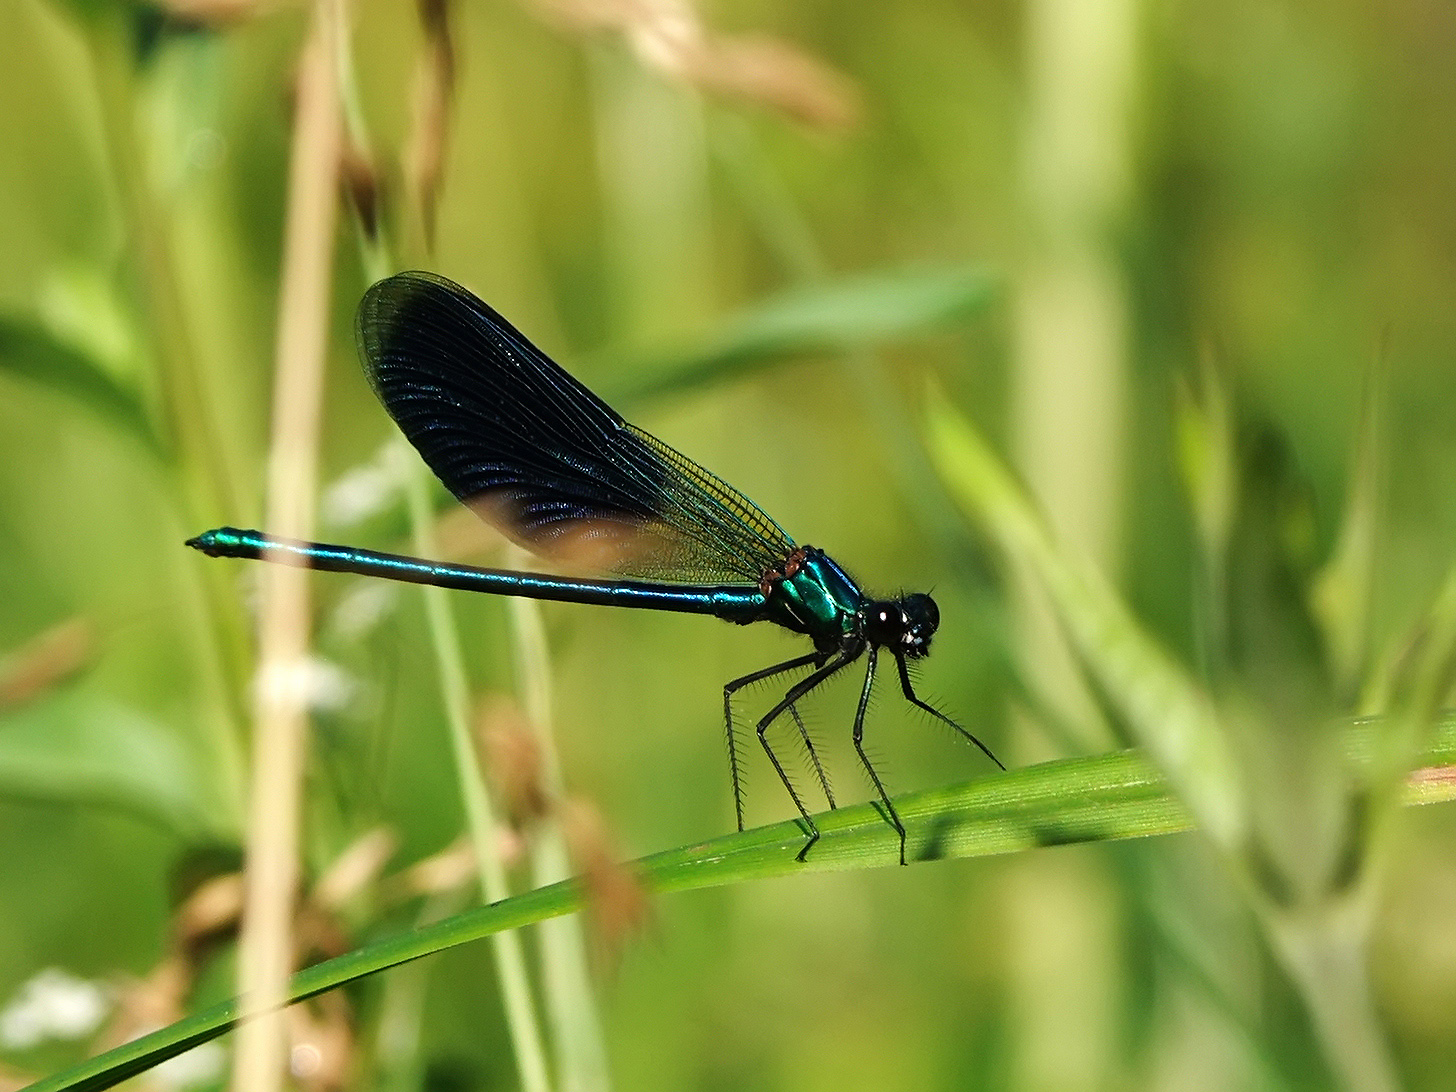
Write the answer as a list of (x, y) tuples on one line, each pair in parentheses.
[(816, 597), (732, 602)]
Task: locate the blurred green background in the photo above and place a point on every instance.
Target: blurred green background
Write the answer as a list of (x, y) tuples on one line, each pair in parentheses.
[(1065, 213)]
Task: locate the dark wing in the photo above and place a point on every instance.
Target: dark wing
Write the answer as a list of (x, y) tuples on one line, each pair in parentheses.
[(539, 456)]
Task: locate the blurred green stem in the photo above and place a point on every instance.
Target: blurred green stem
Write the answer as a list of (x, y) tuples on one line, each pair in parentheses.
[(655, 198), (1325, 951), (515, 986), (1095, 799), (1069, 311), (1165, 709), (1320, 933), (781, 227), (520, 1007), (187, 415), (785, 232), (566, 980), (198, 463)]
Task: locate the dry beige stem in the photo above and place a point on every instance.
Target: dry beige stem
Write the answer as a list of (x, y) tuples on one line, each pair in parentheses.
[(221, 13), (266, 947), (48, 658), (669, 36), (512, 756), (449, 870), (616, 901), (354, 870), (434, 90)]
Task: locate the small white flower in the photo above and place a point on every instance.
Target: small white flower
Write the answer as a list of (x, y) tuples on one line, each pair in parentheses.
[(367, 489), (314, 682), (52, 1005), (362, 607)]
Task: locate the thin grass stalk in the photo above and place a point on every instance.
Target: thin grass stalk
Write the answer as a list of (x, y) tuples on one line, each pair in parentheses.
[(581, 1055), (399, 1062), (1098, 799), (652, 163), (375, 255), (203, 473), (1320, 936), (520, 1006), (187, 415), (266, 944), (517, 999), (767, 201), (784, 231), (1068, 393)]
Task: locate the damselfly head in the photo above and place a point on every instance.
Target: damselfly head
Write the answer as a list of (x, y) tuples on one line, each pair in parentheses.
[(924, 618), (904, 625)]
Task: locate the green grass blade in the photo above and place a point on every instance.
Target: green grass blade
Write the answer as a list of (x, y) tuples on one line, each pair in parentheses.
[(29, 350), (1102, 798), (1166, 710), (76, 748), (851, 312)]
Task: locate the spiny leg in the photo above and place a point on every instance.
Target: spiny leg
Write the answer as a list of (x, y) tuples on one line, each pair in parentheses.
[(859, 716), (819, 770), (815, 658), (937, 714), (797, 691)]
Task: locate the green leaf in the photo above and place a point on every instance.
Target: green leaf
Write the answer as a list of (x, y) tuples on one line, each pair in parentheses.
[(1112, 796), (1107, 797), (1203, 429), (1274, 649), (28, 349), (1342, 596), (832, 315), (73, 747), (1166, 710)]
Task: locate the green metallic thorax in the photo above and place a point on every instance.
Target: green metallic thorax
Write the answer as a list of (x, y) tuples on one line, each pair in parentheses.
[(814, 596)]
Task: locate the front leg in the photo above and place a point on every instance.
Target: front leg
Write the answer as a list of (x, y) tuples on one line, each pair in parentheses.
[(859, 716), (936, 713)]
